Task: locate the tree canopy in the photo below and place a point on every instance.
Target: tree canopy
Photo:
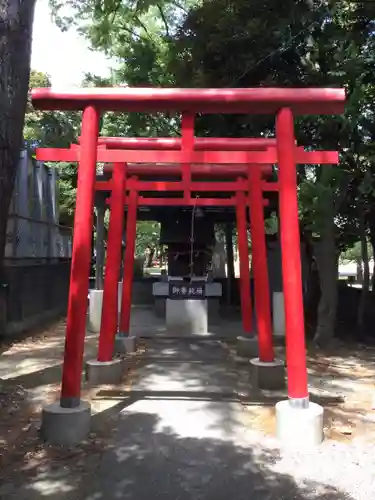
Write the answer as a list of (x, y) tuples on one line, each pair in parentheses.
[(247, 43)]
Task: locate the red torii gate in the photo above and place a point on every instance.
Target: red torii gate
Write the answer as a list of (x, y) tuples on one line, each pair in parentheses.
[(282, 102), (238, 186)]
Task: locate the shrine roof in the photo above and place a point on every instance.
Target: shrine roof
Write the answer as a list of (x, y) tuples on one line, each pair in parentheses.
[(262, 101)]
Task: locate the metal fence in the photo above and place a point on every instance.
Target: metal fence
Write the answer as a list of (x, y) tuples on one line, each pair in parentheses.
[(33, 224), (38, 249)]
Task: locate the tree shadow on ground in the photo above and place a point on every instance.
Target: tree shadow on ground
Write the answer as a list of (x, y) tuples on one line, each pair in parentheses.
[(151, 460), (346, 369), (145, 459)]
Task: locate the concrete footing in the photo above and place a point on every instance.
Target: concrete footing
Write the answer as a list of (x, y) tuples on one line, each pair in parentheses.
[(299, 427), (278, 314), (94, 316), (186, 317), (159, 306), (65, 426), (104, 372), (125, 344), (247, 347), (267, 375)]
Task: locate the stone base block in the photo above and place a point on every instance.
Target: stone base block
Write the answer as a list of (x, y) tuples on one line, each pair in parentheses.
[(125, 344), (269, 376), (213, 311), (104, 372), (186, 317), (65, 426), (159, 307), (299, 427), (95, 310), (247, 347)]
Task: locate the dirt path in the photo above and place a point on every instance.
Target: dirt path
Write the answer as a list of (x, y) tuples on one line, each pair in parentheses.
[(30, 374)]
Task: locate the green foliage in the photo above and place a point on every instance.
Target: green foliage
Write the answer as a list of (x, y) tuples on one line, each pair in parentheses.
[(148, 235), (252, 43), (54, 129), (355, 253)]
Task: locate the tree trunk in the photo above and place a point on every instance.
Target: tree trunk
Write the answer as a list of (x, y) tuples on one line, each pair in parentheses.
[(327, 263), (312, 290), (150, 257), (16, 20), (359, 277), (371, 226), (366, 278)]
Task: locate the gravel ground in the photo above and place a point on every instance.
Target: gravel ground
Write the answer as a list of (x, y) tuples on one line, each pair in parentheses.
[(198, 449), (348, 467), (181, 442)]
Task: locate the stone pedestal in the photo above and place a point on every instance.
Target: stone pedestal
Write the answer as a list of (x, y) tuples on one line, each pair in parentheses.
[(65, 426), (125, 344), (269, 376), (159, 306), (278, 314), (213, 310), (247, 347), (95, 310), (104, 372), (299, 428), (186, 317), (160, 291)]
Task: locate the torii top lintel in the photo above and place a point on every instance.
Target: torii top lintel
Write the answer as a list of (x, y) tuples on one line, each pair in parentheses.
[(315, 101)]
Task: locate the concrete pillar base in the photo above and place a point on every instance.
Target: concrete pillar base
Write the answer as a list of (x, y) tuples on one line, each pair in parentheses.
[(104, 372), (247, 347), (278, 315), (269, 376), (299, 427), (186, 317), (65, 426), (213, 305), (94, 316), (125, 344), (159, 307)]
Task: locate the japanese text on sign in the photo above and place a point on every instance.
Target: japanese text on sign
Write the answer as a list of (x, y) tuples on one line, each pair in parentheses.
[(187, 291)]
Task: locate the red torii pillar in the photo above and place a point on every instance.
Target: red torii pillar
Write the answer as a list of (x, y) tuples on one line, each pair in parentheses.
[(80, 267), (266, 371), (291, 262), (243, 250), (109, 317), (260, 267), (125, 342)]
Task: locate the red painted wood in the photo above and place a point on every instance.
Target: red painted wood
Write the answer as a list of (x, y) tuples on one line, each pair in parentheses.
[(291, 258), (81, 258), (109, 318), (263, 100), (260, 267), (173, 157), (200, 143), (127, 282), (243, 250)]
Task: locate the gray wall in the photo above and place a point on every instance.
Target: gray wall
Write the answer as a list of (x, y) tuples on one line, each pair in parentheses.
[(35, 294), (37, 253)]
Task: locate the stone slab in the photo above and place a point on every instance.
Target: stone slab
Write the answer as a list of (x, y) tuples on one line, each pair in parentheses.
[(268, 376), (104, 372), (65, 426), (299, 428), (186, 317)]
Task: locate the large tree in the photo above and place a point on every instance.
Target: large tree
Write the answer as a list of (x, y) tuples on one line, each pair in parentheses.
[(16, 21)]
